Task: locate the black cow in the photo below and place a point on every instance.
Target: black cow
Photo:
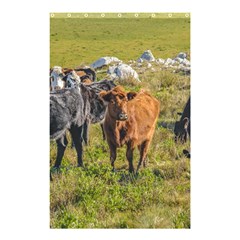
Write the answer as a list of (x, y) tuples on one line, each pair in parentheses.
[(73, 110), (182, 128)]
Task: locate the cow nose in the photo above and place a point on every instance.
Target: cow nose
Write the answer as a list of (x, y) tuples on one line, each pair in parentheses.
[(123, 116)]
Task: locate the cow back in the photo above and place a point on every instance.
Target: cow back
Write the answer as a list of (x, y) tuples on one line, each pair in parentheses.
[(143, 112), (186, 111), (66, 108), (182, 127)]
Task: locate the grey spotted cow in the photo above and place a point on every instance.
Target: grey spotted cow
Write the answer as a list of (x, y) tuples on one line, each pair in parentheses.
[(73, 109)]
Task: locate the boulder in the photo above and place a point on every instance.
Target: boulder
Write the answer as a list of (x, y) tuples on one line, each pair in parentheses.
[(160, 61), (122, 72), (149, 65), (104, 61), (168, 62), (182, 55), (178, 59), (140, 60), (148, 56), (186, 62)]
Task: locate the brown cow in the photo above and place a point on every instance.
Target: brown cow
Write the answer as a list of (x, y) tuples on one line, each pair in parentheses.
[(130, 119)]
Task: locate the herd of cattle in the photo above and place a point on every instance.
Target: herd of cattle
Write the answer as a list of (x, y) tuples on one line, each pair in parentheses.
[(127, 118)]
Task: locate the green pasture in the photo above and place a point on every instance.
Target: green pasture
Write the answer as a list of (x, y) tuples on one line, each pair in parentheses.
[(76, 41), (94, 196)]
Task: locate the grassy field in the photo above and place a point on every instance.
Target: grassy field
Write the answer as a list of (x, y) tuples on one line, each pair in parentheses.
[(94, 197), (82, 41)]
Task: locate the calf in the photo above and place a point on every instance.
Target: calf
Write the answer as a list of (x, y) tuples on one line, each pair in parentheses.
[(130, 119), (182, 128), (72, 79), (70, 110), (56, 79)]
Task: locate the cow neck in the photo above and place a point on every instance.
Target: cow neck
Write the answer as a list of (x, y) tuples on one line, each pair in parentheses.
[(118, 129), (85, 97)]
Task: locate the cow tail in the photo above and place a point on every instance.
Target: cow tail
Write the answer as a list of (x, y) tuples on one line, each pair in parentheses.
[(62, 141)]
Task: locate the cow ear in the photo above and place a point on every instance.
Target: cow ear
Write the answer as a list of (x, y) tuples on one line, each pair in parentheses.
[(83, 88), (106, 96), (67, 70), (131, 95), (185, 122)]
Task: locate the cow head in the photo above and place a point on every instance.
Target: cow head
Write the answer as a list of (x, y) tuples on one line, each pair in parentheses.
[(90, 92), (86, 79), (181, 130), (117, 100), (67, 70), (98, 107), (72, 79), (56, 77)]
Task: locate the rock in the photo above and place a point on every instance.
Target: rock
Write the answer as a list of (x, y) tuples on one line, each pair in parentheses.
[(186, 70), (180, 66), (104, 61), (178, 59), (168, 62), (186, 63), (140, 60), (160, 61), (174, 62), (148, 56), (182, 55), (111, 70), (122, 72), (149, 65)]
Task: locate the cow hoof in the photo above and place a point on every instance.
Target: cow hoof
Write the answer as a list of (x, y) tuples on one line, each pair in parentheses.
[(51, 178), (55, 169), (186, 153), (131, 172)]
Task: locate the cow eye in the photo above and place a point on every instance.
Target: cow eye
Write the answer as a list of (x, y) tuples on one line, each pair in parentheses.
[(112, 101)]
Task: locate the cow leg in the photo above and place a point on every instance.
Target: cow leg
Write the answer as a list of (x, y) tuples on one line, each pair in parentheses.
[(185, 136), (51, 179), (186, 153), (143, 153), (72, 146), (113, 155), (186, 123), (61, 146), (129, 155), (76, 133), (86, 131), (103, 133)]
